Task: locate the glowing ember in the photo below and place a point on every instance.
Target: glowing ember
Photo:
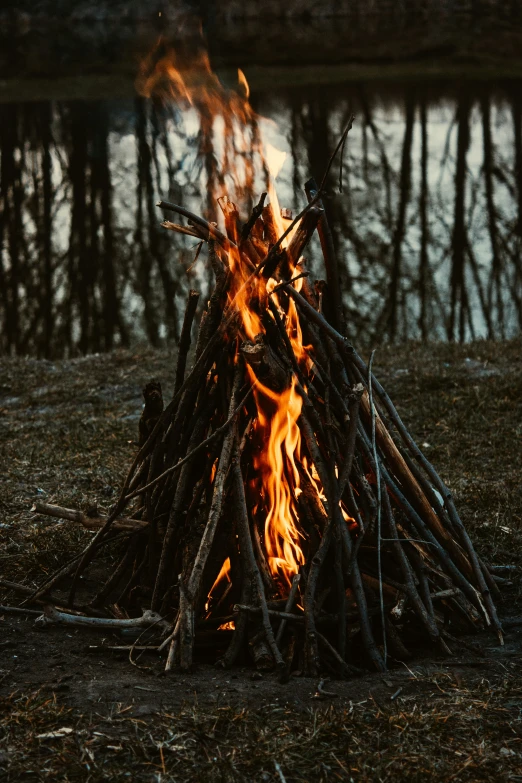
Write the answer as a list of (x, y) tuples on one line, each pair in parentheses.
[(230, 626)]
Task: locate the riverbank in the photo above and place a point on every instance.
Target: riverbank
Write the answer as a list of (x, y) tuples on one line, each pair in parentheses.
[(67, 434)]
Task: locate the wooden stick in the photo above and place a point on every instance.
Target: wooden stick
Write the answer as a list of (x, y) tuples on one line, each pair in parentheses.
[(176, 513), (330, 258), (247, 550), (184, 341), (346, 668), (288, 607), (292, 280), (52, 616), (66, 569), (186, 628), (353, 407), (256, 213), (312, 649), (407, 573), (210, 228), (283, 616), (275, 248), (194, 582), (91, 523), (351, 355), (303, 234)]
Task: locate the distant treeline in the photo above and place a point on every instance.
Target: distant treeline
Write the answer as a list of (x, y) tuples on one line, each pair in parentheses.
[(144, 9), (67, 37)]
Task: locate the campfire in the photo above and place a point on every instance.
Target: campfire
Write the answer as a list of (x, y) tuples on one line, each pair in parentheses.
[(277, 510)]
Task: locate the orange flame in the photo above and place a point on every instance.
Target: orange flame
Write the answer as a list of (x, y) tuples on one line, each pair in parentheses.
[(278, 474), (229, 626), (229, 139), (224, 575), (236, 162)]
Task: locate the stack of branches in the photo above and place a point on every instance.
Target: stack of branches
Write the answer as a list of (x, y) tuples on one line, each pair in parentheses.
[(385, 556)]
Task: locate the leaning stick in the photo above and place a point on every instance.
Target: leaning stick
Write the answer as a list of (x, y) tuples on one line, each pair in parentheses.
[(117, 574), (184, 340), (256, 213), (312, 649), (186, 627), (407, 572), (410, 485), (176, 510), (199, 368), (354, 573), (286, 616), (66, 569), (353, 408), (288, 606), (330, 257), (313, 201), (191, 591), (247, 549), (194, 582)]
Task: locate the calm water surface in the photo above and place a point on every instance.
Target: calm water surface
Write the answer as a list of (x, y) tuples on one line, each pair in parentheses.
[(428, 227)]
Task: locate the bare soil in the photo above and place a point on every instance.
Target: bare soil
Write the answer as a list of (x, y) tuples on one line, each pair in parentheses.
[(67, 434)]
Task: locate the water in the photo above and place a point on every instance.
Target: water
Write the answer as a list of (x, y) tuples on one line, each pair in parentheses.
[(428, 227)]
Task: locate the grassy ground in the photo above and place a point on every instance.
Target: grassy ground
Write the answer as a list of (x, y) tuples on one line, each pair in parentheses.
[(67, 432)]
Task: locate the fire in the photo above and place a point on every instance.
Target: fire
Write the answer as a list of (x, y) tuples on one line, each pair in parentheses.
[(278, 476), (228, 138), (224, 575), (228, 626), (238, 162)]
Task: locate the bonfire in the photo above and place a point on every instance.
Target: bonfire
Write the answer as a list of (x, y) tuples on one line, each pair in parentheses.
[(277, 510)]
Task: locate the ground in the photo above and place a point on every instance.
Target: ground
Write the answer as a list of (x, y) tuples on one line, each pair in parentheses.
[(72, 711)]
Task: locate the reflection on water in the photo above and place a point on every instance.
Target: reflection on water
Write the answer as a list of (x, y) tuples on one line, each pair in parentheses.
[(428, 228)]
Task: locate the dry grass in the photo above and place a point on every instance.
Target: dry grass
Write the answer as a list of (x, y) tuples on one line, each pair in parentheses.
[(67, 437), (453, 732)]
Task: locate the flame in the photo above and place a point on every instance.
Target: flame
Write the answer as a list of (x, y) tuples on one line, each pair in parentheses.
[(278, 476), (350, 521), (236, 162), (228, 138), (230, 626), (224, 575), (241, 78)]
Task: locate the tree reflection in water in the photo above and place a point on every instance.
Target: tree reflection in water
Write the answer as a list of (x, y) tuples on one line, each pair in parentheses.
[(428, 228)]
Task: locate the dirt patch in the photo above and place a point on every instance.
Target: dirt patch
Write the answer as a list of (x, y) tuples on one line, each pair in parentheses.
[(67, 434)]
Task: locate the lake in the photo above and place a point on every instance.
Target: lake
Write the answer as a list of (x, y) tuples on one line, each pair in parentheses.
[(428, 228)]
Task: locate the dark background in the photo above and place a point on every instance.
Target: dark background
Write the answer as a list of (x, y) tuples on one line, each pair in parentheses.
[(428, 231)]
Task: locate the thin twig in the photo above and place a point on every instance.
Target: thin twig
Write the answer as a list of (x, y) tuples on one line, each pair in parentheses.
[(379, 503)]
